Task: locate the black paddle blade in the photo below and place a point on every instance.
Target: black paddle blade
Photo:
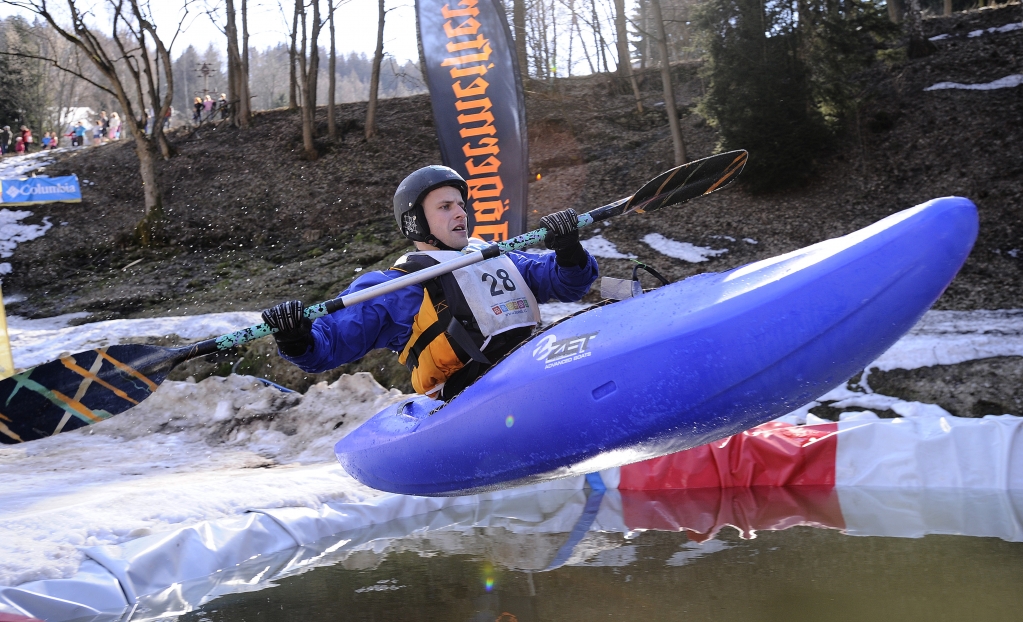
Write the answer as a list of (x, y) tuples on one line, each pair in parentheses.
[(80, 389), (688, 181)]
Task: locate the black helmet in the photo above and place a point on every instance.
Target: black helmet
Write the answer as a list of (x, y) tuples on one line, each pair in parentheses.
[(408, 199)]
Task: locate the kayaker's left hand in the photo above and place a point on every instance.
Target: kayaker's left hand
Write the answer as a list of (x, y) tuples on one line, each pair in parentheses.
[(563, 238)]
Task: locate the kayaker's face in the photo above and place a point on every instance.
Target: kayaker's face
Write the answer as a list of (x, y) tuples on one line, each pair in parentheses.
[(445, 213)]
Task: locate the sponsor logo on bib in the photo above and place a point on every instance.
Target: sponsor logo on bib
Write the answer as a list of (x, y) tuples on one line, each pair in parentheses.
[(512, 307)]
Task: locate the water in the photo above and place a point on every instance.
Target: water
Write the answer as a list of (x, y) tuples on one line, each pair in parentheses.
[(756, 555)]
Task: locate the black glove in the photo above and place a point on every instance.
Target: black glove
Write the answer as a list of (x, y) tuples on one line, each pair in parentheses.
[(563, 238), (294, 330)]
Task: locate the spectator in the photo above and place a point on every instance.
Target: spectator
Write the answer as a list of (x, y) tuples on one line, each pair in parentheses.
[(104, 126), (5, 139), (207, 106), (150, 121), (19, 145), (167, 117), (46, 140), (223, 106), (78, 135), (26, 138), (115, 126), (197, 115), (54, 140)]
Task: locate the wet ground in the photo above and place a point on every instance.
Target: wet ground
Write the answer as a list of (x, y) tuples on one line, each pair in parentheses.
[(750, 555)]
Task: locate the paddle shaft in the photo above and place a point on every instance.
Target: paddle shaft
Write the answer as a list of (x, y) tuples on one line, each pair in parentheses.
[(674, 186)]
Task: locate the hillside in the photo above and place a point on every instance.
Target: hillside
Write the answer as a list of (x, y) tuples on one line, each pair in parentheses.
[(251, 223)]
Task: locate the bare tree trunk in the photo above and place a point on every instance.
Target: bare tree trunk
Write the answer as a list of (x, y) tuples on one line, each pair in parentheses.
[(519, 24), (919, 45), (245, 96), (669, 92), (234, 61), (374, 80), (598, 36), (310, 71), (624, 55), (948, 7), (332, 81), (293, 53)]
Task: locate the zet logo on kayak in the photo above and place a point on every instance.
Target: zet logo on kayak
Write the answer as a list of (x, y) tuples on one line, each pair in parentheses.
[(555, 352)]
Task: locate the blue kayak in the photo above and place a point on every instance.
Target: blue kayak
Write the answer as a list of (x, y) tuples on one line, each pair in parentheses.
[(677, 367)]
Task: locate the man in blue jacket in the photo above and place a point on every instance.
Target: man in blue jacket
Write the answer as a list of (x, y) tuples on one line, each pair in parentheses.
[(450, 329)]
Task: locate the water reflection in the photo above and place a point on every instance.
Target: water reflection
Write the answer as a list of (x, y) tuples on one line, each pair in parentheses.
[(581, 555)]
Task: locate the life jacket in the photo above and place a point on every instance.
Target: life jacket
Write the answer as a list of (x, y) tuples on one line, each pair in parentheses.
[(469, 318)]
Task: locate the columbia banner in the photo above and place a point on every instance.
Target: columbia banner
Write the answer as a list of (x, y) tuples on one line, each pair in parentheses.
[(40, 190), (479, 109)]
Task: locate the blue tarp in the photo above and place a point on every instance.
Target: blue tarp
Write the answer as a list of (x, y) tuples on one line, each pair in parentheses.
[(31, 190)]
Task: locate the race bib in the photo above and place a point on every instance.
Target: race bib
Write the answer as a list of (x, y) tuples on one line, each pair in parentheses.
[(498, 296)]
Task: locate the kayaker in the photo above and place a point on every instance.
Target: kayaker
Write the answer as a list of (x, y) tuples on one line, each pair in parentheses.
[(450, 329)]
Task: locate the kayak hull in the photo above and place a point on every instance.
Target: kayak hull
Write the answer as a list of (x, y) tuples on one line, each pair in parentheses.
[(678, 367)]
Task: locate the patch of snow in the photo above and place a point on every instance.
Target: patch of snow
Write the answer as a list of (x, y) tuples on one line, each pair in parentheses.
[(12, 232), (1005, 28), (34, 342), (1013, 253), (940, 37), (750, 241), (681, 250), (723, 237), (169, 463), (692, 551), (1002, 83), (553, 311), (939, 338), (950, 337), (12, 167), (598, 246)]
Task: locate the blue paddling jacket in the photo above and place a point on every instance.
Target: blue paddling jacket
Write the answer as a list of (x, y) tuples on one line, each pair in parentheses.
[(387, 321)]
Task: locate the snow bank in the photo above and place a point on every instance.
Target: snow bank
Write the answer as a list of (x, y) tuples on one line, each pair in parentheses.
[(950, 337), (681, 250), (976, 33), (12, 233), (19, 165), (189, 453), (1002, 83), (1005, 28), (34, 342)]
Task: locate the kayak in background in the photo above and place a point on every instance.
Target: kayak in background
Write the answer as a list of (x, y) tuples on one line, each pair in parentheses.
[(678, 367)]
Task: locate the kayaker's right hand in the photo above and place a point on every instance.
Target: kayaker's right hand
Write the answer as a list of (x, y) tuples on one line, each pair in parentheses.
[(563, 238), (294, 330)]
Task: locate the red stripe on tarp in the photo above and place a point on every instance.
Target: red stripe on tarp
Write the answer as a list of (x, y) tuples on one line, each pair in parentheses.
[(10, 617), (773, 454), (702, 512)]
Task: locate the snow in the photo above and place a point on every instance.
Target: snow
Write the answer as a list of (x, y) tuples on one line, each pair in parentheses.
[(1005, 28), (977, 33), (950, 337), (1002, 83), (598, 246), (13, 232), (191, 452), (39, 341), (12, 167), (681, 250)]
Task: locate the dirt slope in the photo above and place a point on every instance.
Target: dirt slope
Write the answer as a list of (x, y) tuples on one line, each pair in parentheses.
[(251, 223)]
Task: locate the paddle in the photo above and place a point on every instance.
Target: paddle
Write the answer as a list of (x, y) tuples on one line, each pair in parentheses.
[(83, 388)]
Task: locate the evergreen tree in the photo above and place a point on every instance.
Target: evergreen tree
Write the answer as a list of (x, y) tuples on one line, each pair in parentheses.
[(782, 78)]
